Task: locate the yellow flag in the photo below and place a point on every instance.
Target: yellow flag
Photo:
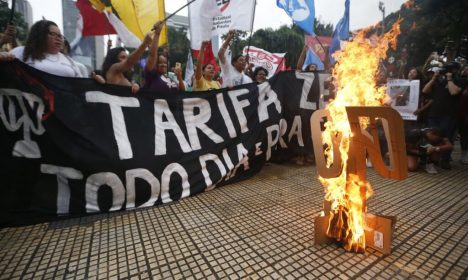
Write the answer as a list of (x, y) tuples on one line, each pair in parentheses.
[(140, 15)]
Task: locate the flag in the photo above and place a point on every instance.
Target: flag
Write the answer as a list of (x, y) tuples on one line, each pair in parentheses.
[(302, 13), (128, 38), (189, 71), (201, 14), (317, 44), (341, 32), (210, 17), (235, 15), (138, 16), (265, 59), (94, 22), (208, 57), (312, 58)]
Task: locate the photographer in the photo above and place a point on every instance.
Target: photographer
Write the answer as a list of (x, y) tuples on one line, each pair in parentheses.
[(444, 90), (426, 145)]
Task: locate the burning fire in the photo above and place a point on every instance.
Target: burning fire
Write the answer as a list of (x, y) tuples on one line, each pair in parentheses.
[(355, 73)]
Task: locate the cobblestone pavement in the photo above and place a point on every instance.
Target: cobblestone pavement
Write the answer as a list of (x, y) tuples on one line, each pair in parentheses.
[(257, 229)]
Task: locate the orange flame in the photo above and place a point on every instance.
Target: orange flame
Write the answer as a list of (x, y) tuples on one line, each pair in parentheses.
[(355, 72)]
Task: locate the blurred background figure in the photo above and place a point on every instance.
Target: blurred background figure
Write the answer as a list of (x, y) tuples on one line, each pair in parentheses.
[(260, 75)]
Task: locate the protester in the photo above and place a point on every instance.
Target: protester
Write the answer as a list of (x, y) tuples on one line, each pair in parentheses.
[(260, 75), (156, 68), (428, 145), (300, 62), (424, 100), (444, 90), (233, 73), (204, 75), (42, 51)]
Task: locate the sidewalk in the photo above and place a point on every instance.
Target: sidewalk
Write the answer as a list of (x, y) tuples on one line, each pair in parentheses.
[(257, 229)]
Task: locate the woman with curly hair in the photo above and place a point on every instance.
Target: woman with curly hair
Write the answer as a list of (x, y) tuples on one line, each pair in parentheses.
[(42, 51)]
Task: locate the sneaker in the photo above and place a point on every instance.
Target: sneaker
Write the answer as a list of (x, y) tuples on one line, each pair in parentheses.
[(430, 168), (445, 164)]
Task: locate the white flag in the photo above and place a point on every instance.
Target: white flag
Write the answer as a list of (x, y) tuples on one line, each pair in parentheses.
[(201, 14), (217, 17), (235, 15), (267, 60), (128, 38), (189, 71)]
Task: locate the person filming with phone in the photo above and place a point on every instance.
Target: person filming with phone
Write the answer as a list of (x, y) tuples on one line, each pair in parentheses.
[(444, 90)]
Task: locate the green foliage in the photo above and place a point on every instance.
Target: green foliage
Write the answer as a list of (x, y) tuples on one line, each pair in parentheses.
[(179, 45), (428, 25), (21, 26), (286, 38)]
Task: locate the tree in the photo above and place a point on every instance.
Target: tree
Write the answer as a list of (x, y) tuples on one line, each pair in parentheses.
[(428, 25), (179, 45), (21, 26), (289, 39)]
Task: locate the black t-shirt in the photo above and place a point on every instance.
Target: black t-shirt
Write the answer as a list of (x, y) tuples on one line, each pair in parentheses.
[(444, 104)]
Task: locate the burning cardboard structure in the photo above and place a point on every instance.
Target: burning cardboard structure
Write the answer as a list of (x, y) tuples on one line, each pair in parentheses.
[(364, 143), (355, 128)]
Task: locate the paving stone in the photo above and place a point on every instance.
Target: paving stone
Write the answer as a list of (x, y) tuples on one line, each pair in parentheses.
[(261, 228)]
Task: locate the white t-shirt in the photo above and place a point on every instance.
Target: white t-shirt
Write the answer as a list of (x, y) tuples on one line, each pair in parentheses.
[(56, 64), (232, 77)]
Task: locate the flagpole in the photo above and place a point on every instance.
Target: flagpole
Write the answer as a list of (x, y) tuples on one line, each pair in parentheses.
[(178, 10), (12, 12), (251, 29)]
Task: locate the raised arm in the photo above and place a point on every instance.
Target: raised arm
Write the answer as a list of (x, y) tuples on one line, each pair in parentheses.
[(181, 85), (132, 59), (300, 61), (201, 55), (9, 36), (153, 54), (225, 45), (428, 87), (452, 87)]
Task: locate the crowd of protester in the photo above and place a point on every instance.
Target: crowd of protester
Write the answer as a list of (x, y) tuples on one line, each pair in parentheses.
[(442, 115)]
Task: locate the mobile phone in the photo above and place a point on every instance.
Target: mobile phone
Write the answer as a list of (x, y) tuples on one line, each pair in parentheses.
[(178, 65)]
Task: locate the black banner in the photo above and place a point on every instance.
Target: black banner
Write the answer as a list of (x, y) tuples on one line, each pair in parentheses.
[(72, 146)]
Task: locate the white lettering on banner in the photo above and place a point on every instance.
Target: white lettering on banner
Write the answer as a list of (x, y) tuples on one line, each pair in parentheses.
[(144, 174), (166, 180), (94, 182), (214, 158), (23, 148), (225, 114), (266, 97), (195, 122), (270, 140), (118, 122), (161, 108), (228, 161), (296, 129), (283, 128), (242, 155), (308, 78), (63, 189), (239, 107), (258, 150)]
